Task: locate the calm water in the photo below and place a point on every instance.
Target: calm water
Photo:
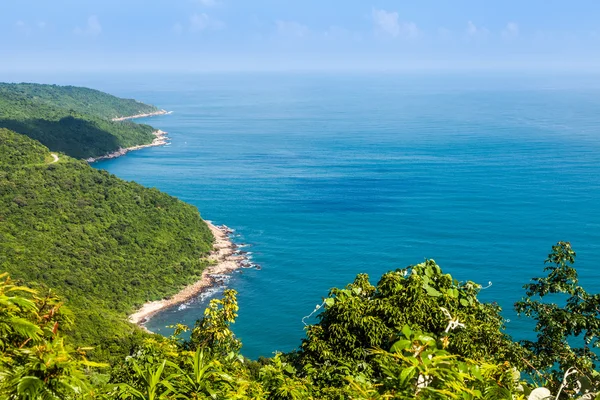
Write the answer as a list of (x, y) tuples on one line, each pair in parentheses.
[(328, 176)]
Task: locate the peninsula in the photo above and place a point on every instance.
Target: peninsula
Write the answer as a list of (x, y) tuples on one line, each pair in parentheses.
[(75, 121)]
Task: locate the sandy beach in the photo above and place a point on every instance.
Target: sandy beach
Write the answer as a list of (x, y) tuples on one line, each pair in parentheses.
[(226, 260), (160, 140), (160, 112)]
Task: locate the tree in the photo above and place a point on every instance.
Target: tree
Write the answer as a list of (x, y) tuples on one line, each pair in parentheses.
[(213, 331), (363, 317), (568, 328)]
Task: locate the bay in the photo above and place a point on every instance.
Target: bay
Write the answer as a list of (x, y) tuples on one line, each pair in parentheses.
[(331, 175)]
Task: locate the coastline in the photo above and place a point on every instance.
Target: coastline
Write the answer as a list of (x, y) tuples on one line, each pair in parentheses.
[(227, 259), (160, 140), (152, 114)]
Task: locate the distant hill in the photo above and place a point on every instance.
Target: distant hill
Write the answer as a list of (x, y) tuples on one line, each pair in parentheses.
[(78, 99), (104, 244), (73, 120)]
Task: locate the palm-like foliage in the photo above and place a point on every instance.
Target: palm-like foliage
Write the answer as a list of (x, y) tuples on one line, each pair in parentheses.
[(35, 363), (17, 315), (202, 376), (154, 386)]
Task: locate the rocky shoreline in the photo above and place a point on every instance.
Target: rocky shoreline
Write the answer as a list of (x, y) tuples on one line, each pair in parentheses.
[(160, 140), (226, 258), (152, 114)]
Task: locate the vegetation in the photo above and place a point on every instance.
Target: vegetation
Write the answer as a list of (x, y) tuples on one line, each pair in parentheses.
[(105, 245), (431, 349), (75, 121)]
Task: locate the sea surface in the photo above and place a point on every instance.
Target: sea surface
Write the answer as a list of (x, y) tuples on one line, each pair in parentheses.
[(331, 175)]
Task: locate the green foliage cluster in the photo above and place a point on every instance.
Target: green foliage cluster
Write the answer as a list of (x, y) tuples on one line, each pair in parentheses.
[(75, 121), (105, 245), (35, 363), (421, 357), (18, 150), (363, 317)]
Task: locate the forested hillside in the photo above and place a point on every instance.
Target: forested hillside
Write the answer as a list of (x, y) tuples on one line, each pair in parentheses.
[(103, 244), (78, 99), (75, 121)]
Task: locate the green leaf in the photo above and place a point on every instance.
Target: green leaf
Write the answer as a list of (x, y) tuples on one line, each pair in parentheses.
[(432, 292), (406, 374), (400, 345)]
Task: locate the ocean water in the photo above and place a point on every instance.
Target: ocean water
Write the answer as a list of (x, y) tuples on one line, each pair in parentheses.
[(328, 176)]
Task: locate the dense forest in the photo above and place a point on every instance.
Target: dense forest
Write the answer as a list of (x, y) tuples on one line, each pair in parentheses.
[(75, 121), (78, 99), (103, 244)]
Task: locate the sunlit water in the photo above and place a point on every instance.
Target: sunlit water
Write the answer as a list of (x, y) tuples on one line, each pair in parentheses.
[(328, 176)]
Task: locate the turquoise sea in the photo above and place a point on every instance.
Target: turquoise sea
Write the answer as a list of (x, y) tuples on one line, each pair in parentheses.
[(331, 175)]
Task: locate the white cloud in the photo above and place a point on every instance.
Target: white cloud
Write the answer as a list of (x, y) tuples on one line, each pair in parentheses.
[(203, 22), (291, 28), (475, 31), (25, 28), (22, 27), (92, 28), (511, 31), (388, 23), (411, 30)]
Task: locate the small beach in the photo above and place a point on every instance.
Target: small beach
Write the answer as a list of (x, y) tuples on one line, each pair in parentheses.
[(225, 258), (160, 140), (160, 112)]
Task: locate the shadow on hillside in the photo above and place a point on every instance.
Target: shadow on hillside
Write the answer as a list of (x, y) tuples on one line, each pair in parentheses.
[(75, 137)]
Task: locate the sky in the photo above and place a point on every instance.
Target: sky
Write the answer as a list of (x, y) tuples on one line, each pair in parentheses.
[(231, 35)]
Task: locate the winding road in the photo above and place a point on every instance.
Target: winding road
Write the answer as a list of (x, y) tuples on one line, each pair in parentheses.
[(55, 158)]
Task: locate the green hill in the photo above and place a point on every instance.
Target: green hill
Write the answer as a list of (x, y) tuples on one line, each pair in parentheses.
[(105, 245), (79, 99), (72, 120)]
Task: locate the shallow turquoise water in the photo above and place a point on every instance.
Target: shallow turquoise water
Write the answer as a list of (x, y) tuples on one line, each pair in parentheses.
[(328, 176)]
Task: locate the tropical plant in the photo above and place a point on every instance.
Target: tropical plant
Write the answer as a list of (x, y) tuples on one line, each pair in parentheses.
[(416, 368), (35, 363), (568, 327), (362, 317), (213, 330)]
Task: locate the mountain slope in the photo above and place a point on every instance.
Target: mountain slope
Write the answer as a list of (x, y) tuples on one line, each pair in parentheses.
[(104, 244), (76, 121), (78, 99)]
